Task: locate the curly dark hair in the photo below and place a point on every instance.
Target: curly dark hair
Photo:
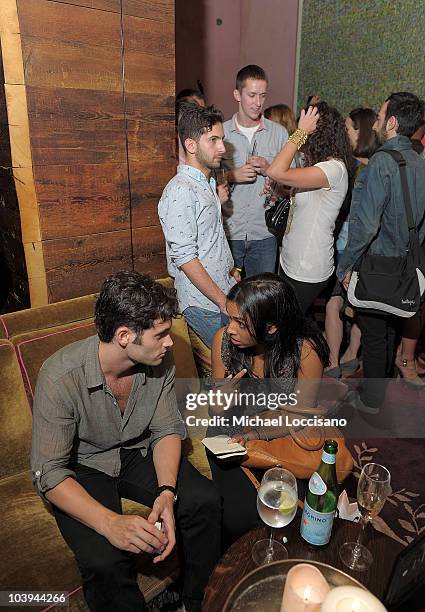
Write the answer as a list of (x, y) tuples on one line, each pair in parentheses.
[(267, 299), (133, 300), (329, 140)]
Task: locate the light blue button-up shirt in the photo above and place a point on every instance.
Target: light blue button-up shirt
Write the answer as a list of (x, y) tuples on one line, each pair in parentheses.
[(244, 212), (190, 214)]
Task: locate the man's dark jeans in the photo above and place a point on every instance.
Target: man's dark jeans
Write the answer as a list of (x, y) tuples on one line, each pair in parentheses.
[(108, 573), (379, 344)]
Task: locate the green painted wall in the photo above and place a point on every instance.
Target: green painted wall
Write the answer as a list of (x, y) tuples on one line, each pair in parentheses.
[(355, 53)]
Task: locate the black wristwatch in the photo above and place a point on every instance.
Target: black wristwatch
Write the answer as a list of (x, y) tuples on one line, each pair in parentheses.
[(167, 488)]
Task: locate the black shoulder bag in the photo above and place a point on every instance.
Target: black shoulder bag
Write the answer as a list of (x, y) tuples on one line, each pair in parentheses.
[(394, 285), (277, 215)]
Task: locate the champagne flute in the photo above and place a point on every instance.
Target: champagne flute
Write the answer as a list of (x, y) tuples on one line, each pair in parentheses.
[(277, 505), (372, 491)]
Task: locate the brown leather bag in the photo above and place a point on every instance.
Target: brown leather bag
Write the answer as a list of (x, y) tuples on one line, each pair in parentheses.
[(302, 462), (300, 451)]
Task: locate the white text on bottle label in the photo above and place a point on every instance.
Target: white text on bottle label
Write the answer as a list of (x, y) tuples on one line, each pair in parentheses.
[(317, 485), (316, 526)]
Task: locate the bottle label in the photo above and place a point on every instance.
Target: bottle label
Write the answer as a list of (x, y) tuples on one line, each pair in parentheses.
[(316, 526), (328, 458), (317, 485)]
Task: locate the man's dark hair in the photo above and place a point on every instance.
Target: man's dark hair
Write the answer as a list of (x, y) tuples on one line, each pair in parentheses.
[(252, 71), (184, 94), (133, 300), (195, 120), (408, 109)]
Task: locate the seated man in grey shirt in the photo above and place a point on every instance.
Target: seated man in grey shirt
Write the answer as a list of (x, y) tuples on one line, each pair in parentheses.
[(198, 255), (105, 426)]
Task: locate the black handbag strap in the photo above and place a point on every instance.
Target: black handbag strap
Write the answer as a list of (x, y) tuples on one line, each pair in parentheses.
[(401, 162)]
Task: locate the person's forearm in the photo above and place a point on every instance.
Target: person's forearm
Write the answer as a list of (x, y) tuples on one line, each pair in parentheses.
[(199, 277), (282, 162), (166, 459), (70, 497)]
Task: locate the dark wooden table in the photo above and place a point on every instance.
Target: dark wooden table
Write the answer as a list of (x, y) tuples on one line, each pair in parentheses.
[(237, 561)]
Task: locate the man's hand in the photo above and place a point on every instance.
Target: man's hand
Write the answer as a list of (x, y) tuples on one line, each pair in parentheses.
[(346, 280), (236, 273), (135, 534), (244, 174), (163, 508), (259, 163), (223, 192)]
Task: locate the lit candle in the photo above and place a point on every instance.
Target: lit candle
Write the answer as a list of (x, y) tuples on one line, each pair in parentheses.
[(305, 589), (351, 599)]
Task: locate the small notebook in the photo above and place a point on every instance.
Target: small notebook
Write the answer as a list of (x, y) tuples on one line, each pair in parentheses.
[(220, 447)]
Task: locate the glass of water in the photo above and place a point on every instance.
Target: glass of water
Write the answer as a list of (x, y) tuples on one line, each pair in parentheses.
[(277, 505)]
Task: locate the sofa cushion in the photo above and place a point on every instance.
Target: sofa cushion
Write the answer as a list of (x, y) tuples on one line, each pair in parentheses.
[(201, 353), (35, 347), (35, 557), (48, 316), (15, 415)]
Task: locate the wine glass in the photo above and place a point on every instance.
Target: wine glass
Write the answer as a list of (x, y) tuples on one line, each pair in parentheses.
[(277, 505), (372, 491)]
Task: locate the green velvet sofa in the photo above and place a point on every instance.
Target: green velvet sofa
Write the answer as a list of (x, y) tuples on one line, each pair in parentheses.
[(34, 556)]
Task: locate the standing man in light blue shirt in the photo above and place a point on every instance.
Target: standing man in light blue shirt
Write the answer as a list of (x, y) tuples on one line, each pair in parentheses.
[(198, 255), (252, 142)]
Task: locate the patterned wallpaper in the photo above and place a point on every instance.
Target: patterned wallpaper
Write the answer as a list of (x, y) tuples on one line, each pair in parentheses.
[(356, 52)]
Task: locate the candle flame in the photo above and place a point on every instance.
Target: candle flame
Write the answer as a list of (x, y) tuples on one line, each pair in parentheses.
[(307, 593)]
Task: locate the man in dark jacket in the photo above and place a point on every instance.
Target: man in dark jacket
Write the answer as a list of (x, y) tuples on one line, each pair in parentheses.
[(378, 225)]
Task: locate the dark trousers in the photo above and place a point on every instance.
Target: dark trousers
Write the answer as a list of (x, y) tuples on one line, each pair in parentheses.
[(306, 293), (239, 498), (108, 573), (379, 344)]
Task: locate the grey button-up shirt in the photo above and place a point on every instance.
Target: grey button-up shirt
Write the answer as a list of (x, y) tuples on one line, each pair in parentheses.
[(244, 213), (190, 215), (76, 418)]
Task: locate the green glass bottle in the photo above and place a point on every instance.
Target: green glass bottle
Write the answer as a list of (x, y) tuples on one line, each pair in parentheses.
[(321, 499)]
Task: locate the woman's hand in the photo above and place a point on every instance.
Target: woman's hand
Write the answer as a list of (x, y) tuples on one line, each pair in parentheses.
[(308, 120), (226, 388), (246, 437)]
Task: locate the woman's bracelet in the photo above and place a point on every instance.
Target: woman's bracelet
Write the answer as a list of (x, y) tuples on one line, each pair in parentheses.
[(298, 138)]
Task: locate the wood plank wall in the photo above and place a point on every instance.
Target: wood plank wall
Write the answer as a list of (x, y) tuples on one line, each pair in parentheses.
[(97, 95), (14, 294)]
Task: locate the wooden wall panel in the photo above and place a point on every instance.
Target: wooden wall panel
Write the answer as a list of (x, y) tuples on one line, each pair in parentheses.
[(150, 126), (147, 182), (102, 5), (158, 10), (14, 293), (55, 21), (84, 260), (70, 126), (149, 251), (149, 50), (148, 36), (57, 64), (98, 149), (146, 73), (77, 200)]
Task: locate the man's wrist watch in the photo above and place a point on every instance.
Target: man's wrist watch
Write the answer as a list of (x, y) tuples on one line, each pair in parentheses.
[(163, 488)]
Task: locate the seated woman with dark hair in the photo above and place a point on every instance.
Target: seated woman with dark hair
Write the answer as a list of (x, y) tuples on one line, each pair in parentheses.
[(267, 337)]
